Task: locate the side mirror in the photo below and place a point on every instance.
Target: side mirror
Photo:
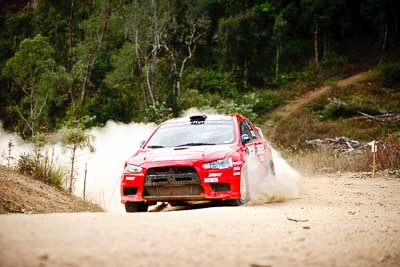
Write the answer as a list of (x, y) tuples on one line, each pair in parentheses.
[(245, 139), (142, 143)]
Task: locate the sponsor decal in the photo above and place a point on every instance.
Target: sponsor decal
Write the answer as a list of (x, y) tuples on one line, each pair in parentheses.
[(260, 152), (215, 174), (260, 148), (130, 178), (251, 151), (211, 180), (236, 168), (236, 173), (236, 163)]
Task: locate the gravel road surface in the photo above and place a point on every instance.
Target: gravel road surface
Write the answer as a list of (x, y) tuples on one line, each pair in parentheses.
[(338, 221)]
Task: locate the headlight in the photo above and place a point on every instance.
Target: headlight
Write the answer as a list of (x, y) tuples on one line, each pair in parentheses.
[(132, 169), (219, 164)]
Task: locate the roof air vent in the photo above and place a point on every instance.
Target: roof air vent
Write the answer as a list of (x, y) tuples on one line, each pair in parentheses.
[(198, 118)]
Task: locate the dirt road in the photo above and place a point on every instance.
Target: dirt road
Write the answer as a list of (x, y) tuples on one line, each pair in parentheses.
[(348, 221)]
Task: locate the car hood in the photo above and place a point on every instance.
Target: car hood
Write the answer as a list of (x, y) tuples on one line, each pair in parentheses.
[(193, 153)]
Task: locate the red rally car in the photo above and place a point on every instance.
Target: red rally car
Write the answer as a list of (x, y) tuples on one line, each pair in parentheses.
[(194, 158)]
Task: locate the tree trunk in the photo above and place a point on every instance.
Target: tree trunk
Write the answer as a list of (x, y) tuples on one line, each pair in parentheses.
[(84, 183), (99, 42), (385, 33), (69, 25), (246, 73), (277, 63), (71, 178), (32, 116), (316, 56), (324, 51)]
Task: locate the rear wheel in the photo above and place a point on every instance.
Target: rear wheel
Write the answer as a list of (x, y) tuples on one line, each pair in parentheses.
[(272, 168), (244, 190), (136, 206)]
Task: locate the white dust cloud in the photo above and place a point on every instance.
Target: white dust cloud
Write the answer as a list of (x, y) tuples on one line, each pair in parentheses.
[(265, 187), (114, 143), (19, 146)]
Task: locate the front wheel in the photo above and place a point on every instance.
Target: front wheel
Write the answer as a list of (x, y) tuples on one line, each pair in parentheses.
[(244, 190), (136, 206)]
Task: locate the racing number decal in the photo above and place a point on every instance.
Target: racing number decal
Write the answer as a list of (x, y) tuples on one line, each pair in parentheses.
[(260, 152), (250, 150)]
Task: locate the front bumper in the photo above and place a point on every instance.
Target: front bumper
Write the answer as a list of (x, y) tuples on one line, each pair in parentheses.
[(199, 184)]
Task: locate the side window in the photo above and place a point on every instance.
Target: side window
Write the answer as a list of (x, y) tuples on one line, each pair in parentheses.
[(245, 128), (254, 131)]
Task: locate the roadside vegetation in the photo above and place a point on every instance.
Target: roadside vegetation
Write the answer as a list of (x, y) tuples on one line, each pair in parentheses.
[(64, 62), (323, 160), (151, 60)]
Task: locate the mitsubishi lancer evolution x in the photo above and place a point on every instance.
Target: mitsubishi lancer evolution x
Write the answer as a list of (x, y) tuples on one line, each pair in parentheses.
[(194, 158)]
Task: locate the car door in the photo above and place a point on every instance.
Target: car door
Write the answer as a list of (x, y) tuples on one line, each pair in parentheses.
[(255, 147)]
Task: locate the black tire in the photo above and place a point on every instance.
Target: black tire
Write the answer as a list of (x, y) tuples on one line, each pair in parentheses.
[(272, 168), (245, 183), (136, 206), (176, 203)]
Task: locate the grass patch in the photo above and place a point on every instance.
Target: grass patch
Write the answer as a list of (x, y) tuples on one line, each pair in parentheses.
[(320, 120), (389, 73), (324, 160), (43, 168)]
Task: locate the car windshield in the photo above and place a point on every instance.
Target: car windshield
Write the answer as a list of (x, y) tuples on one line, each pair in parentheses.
[(193, 134)]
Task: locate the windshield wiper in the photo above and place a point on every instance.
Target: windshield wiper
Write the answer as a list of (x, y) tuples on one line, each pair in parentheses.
[(195, 144), (155, 146)]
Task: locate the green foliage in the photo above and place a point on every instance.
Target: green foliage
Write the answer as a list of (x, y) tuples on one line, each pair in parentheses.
[(333, 61), (279, 29), (35, 75), (262, 101), (389, 73), (158, 113), (193, 98), (123, 60), (229, 106), (211, 81), (44, 168), (123, 99), (337, 109), (74, 137)]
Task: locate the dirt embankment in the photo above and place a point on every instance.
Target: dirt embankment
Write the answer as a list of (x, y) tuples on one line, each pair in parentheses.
[(22, 194)]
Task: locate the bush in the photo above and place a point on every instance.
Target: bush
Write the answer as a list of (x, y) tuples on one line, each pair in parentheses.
[(338, 109), (388, 155), (262, 101), (389, 73), (193, 98), (211, 81), (158, 113), (333, 61), (326, 160), (229, 106), (43, 168)]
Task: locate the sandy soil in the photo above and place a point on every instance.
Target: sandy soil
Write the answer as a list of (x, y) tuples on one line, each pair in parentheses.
[(19, 193), (343, 221)]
